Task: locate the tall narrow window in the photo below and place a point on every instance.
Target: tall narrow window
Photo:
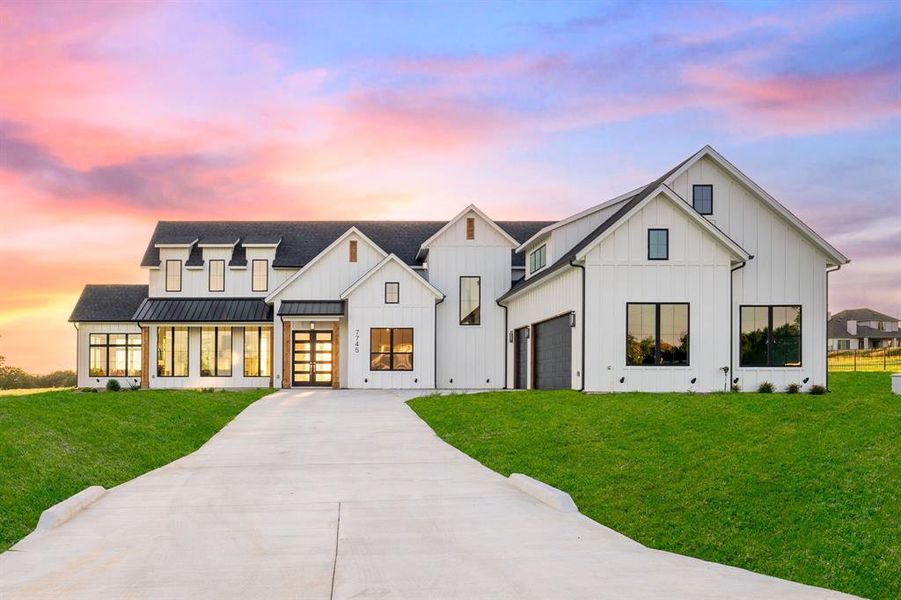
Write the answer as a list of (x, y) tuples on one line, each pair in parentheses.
[(656, 334), (470, 228), (217, 275), (770, 336), (257, 351), (172, 352), (392, 292), (115, 355), (702, 199), (391, 349), (352, 248), (538, 259), (215, 352), (470, 300), (173, 275), (260, 275), (658, 244)]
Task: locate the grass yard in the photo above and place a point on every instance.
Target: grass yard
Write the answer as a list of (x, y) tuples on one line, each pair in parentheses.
[(30, 391), (55, 444), (807, 488)]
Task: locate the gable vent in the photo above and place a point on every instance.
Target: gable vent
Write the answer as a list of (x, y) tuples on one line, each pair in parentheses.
[(353, 251), (470, 228)]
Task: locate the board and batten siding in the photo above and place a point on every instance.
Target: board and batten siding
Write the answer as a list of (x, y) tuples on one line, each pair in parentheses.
[(83, 362), (786, 269), (470, 356), (559, 295), (195, 280), (618, 272), (366, 309)]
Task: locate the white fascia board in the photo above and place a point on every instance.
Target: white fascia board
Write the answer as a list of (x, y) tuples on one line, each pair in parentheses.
[(460, 215), (553, 275), (223, 246), (663, 190), (549, 228), (391, 258), (185, 245), (351, 231), (813, 236)]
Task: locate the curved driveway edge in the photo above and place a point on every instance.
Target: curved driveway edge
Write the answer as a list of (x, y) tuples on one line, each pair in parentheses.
[(347, 494)]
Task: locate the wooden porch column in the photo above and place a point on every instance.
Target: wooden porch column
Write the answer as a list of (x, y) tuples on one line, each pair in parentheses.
[(145, 357), (336, 356), (286, 354)]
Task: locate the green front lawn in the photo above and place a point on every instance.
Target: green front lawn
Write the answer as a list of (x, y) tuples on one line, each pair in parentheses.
[(55, 444), (802, 487)]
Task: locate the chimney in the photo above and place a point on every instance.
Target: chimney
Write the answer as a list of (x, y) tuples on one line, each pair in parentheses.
[(852, 326)]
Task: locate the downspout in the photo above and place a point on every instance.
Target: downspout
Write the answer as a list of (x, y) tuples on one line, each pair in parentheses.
[(505, 341), (77, 353), (435, 352), (826, 331), (582, 319), (731, 375)]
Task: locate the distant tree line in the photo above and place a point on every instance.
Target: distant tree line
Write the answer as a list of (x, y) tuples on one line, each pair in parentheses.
[(15, 378)]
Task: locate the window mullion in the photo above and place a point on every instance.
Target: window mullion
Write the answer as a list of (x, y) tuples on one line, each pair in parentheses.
[(769, 337), (657, 334)]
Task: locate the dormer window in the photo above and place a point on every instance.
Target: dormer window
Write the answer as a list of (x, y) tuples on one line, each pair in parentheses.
[(470, 228), (173, 275), (538, 258), (702, 199), (217, 275), (260, 275)]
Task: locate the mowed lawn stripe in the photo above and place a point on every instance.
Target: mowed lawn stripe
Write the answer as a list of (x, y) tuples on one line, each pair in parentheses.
[(55, 444), (797, 486)]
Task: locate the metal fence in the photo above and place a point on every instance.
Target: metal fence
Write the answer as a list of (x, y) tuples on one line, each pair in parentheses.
[(873, 359)]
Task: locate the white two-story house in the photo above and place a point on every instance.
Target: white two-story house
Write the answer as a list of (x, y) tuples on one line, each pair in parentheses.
[(695, 281)]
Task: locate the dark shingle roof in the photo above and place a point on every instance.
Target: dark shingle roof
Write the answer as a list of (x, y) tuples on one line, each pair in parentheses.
[(195, 258), (838, 324), (297, 308), (301, 241), (108, 303), (203, 310)]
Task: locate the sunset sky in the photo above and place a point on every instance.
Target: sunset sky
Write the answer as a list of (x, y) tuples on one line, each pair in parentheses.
[(114, 116)]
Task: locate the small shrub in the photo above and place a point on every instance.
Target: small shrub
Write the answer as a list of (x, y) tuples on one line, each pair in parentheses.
[(88, 390), (113, 385), (134, 387), (765, 388), (817, 390), (792, 388), (207, 390), (736, 388)]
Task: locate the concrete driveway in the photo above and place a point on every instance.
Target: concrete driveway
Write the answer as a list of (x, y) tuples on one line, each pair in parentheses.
[(347, 494)]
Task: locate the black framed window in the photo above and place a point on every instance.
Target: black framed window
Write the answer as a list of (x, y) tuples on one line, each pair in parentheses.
[(257, 351), (172, 352), (538, 258), (391, 349), (173, 275), (702, 199), (658, 244), (392, 292), (470, 300), (657, 334), (260, 275), (215, 351), (115, 355), (844, 344), (217, 275), (770, 336)]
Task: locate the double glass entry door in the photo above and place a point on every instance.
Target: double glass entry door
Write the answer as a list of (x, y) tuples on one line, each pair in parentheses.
[(312, 358)]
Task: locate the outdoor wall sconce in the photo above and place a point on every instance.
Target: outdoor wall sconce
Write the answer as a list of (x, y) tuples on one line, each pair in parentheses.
[(572, 319), (510, 336), (694, 380), (528, 332), (622, 380)]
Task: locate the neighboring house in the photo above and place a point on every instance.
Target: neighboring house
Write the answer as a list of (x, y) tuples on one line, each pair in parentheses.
[(658, 289), (863, 328)]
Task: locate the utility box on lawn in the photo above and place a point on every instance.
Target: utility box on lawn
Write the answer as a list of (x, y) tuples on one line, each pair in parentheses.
[(896, 383)]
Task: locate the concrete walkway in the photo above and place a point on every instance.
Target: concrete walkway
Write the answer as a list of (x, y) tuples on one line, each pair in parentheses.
[(347, 494)]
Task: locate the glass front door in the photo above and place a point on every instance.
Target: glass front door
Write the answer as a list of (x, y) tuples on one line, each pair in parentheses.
[(312, 358)]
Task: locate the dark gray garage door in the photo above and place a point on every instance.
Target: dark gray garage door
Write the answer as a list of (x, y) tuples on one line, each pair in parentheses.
[(521, 359), (553, 354)]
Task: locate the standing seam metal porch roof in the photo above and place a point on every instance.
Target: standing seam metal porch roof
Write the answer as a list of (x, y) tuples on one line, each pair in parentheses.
[(297, 308), (203, 310)]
